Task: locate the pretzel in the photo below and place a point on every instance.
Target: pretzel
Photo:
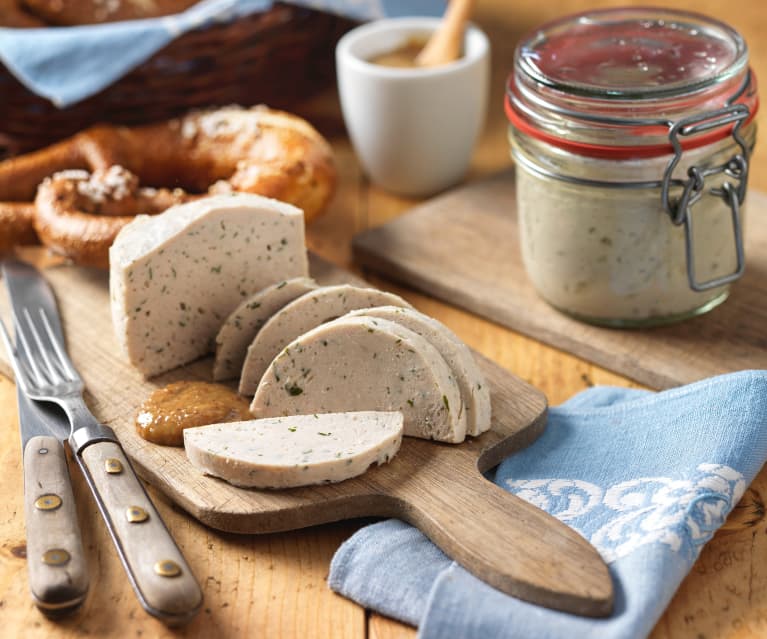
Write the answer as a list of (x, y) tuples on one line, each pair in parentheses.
[(74, 12), (16, 225), (79, 214), (12, 15), (255, 150)]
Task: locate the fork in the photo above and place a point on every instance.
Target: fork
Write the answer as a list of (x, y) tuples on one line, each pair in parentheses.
[(158, 572)]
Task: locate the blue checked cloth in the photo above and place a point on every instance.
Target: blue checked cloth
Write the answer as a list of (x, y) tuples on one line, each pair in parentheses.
[(646, 477), (69, 64)]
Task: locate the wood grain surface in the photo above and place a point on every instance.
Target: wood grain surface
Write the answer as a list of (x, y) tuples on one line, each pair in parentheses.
[(465, 264), (274, 585)]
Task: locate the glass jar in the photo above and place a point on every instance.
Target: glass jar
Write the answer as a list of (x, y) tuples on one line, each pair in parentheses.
[(631, 131)]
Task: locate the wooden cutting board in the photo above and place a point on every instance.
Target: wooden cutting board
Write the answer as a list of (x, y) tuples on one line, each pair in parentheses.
[(463, 247), (437, 487)]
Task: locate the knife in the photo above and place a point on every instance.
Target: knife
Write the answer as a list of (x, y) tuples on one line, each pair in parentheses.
[(156, 568), (58, 574)]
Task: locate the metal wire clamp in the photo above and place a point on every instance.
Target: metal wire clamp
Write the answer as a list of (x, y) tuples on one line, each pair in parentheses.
[(694, 188)]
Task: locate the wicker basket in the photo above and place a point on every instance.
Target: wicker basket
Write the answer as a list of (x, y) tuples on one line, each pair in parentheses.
[(276, 57)]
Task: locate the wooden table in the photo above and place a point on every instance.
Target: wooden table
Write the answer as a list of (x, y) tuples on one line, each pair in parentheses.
[(274, 586)]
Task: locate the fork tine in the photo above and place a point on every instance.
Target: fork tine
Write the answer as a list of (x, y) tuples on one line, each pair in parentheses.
[(64, 362), (22, 337), (14, 357), (54, 376)]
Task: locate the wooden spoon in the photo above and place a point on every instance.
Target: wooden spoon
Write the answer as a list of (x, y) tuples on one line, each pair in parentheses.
[(446, 43)]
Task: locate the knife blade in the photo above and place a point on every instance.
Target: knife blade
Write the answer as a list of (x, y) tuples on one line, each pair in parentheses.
[(56, 566), (156, 568)]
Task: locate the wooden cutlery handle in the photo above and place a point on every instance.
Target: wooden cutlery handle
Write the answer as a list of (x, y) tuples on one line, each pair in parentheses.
[(508, 543), (58, 574), (162, 579)]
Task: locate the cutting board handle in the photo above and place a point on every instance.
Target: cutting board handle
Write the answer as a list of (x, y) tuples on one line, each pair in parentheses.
[(505, 541)]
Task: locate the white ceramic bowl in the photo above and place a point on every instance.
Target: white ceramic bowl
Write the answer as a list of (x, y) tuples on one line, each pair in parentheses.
[(413, 129)]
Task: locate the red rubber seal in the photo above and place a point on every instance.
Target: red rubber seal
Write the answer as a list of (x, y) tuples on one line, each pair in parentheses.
[(609, 152)]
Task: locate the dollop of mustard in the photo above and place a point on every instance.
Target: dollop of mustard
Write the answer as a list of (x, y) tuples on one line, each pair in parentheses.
[(162, 418)]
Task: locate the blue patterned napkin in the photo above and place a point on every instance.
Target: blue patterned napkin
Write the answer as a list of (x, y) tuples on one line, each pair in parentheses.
[(646, 477), (69, 64)]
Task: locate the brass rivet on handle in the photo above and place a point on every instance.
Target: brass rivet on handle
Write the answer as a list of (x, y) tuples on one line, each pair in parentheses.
[(113, 466), (136, 514), (56, 557), (48, 502), (167, 568)]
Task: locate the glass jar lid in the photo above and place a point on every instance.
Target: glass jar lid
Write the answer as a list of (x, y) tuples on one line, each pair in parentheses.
[(633, 53), (620, 78)]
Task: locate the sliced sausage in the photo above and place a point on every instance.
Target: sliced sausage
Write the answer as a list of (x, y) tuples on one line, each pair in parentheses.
[(361, 363)]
